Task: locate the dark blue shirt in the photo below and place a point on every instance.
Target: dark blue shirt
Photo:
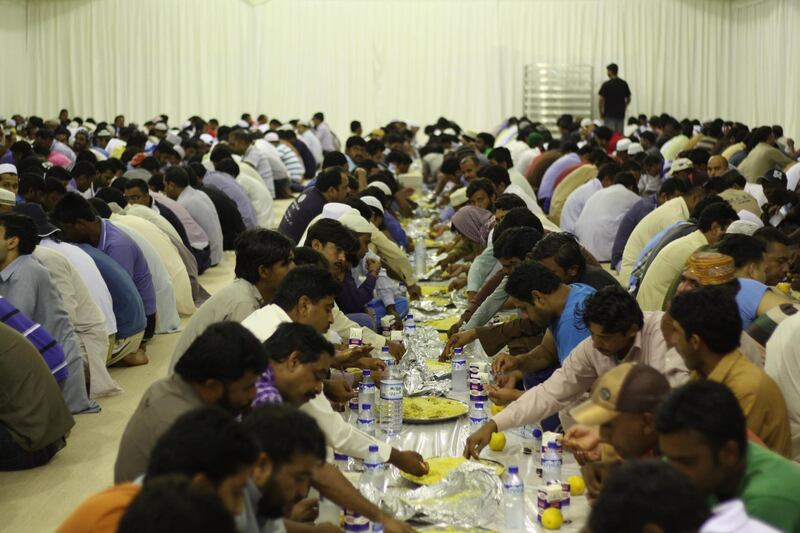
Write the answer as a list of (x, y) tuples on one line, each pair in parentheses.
[(298, 215), (634, 215), (128, 306)]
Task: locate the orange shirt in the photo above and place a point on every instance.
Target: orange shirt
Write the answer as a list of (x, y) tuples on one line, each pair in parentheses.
[(102, 512)]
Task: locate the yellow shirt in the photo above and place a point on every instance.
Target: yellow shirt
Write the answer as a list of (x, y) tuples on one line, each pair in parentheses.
[(731, 150), (573, 180), (666, 266), (655, 221), (759, 397), (739, 200)]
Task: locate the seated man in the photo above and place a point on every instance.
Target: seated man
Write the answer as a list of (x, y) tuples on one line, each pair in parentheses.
[(82, 225), (702, 431), (263, 258), (222, 464), (706, 328), (218, 369), (563, 256), (28, 286), (34, 420), (331, 186), (231, 221)]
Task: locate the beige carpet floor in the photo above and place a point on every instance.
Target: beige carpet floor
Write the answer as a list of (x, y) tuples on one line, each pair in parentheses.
[(38, 500)]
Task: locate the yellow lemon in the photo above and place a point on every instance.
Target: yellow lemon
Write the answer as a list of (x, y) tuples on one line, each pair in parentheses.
[(551, 518), (576, 485), (497, 408), (498, 442)]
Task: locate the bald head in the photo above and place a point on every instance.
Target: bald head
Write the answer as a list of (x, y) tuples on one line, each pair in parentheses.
[(717, 166)]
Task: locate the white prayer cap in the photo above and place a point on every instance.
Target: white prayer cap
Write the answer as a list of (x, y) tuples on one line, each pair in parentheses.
[(160, 126), (8, 168), (634, 148), (272, 137), (353, 220), (11, 123), (174, 139), (334, 210), (623, 144), (263, 128), (186, 125), (598, 122), (412, 124), (449, 131), (458, 197), (243, 124), (372, 202), (585, 123), (743, 227), (102, 133), (382, 186), (285, 127), (744, 214), (181, 152), (7, 197), (207, 138)]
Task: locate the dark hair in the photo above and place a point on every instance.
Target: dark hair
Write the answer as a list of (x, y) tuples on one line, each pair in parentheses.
[(375, 146), (354, 125), (22, 227), (509, 202), (374, 192), (519, 217), (306, 255), (82, 168), (239, 134), (291, 337), (613, 68), (516, 243), (721, 213), (100, 207), (627, 180), (220, 152), (396, 157), (712, 314), (501, 155), (705, 407), (564, 250), (355, 140), (480, 184), (633, 496), (174, 504), (497, 174), (224, 351), (613, 308), (744, 249), (330, 178), (137, 183), (704, 202), (311, 281), (334, 159), (653, 159), (228, 166), (54, 185), (487, 138), (768, 235), (609, 170), (73, 207), (178, 176), (449, 166), (259, 247), (226, 449), (31, 181), (299, 433), (531, 276), (602, 132), (328, 230), (363, 209)]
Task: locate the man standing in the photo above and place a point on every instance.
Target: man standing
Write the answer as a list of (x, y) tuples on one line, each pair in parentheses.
[(614, 99)]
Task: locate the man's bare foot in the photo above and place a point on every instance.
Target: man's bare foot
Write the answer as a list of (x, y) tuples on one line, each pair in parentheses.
[(137, 358)]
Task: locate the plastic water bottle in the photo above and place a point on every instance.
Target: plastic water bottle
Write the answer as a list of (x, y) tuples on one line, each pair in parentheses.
[(420, 256), (551, 464), (352, 415), (366, 422), (477, 417), (533, 441), (514, 500), (366, 392), (409, 329), (375, 473), (459, 372), (391, 402), (385, 356), (340, 460), (371, 487)]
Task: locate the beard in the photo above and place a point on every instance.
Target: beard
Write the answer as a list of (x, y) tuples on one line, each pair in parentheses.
[(271, 505)]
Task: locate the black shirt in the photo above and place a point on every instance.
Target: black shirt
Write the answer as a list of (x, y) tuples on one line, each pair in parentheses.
[(596, 277), (614, 92), (230, 220)]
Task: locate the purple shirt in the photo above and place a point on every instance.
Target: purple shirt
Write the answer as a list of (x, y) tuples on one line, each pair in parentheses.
[(129, 256), (352, 298), (226, 184), (551, 174), (266, 390)]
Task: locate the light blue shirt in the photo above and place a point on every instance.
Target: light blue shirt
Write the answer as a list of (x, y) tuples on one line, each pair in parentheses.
[(569, 330)]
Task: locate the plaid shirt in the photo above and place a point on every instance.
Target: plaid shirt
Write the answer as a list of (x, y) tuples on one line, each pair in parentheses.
[(266, 390)]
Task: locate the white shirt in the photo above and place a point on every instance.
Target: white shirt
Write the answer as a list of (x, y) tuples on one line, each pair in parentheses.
[(575, 203), (202, 210), (313, 144), (516, 147), (279, 171), (258, 193), (793, 177), (339, 435), (731, 517), (522, 163), (783, 365), (323, 133), (520, 181), (598, 223)]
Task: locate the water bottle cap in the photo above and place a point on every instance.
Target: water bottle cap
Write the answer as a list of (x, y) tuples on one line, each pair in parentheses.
[(551, 444), (458, 350), (368, 406), (366, 372), (479, 405), (339, 456), (390, 362), (385, 348), (373, 448), (409, 316), (513, 469), (537, 433)]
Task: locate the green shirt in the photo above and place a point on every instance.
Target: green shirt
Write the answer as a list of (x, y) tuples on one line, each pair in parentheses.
[(771, 488)]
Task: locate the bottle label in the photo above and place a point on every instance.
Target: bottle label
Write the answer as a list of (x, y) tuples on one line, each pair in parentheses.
[(355, 522), (391, 391), (459, 365), (514, 489)]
